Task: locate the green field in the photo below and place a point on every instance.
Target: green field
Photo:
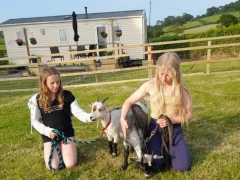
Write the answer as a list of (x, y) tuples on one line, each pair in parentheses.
[(198, 25), (212, 135), (2, 44), (199, 29), (215, 18)]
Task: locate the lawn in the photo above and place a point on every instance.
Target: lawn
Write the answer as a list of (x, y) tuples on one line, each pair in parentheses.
[(213, 134), (2, 44)]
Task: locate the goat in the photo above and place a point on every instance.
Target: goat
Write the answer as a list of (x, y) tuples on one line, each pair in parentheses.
[(135, 138)]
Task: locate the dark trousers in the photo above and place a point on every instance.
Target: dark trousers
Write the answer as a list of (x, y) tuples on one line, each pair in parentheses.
[(179, 152)]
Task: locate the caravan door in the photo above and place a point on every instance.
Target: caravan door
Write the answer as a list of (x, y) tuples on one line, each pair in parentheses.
[(100, 41)]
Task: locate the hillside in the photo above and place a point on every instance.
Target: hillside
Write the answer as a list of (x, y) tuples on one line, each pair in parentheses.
[(202, 24)]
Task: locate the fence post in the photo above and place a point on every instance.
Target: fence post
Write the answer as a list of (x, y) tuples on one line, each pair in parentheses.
[(39, 66), (70, 50), (208, 58), (149, 62), (95, 67), (118, 49), (122, 49)]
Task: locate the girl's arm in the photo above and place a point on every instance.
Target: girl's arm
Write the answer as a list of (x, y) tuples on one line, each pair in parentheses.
[(136, 96), (79, 113), (36, 116), (187, 104)]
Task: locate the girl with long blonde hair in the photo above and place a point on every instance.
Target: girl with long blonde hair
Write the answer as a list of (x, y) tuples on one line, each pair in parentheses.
[(170, 96)]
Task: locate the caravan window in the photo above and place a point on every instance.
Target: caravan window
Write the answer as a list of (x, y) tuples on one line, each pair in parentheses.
[(63, 37)]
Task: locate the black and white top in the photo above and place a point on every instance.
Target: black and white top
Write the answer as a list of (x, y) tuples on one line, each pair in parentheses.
[(59, 119)]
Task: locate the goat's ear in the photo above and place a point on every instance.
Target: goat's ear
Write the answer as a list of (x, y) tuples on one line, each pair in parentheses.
[(102, 101), (146, 100), (157, 157), (90, 105)]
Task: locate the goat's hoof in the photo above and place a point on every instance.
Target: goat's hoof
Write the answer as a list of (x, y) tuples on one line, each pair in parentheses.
[(114, 155), (124, 168), (147, 175)]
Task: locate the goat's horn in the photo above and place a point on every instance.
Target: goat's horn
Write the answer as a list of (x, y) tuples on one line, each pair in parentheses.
[(97, 98), (144, 159), (102, 101), (152, 156)]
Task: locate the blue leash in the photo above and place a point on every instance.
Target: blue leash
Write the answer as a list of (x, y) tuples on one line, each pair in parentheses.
[(62, 138)]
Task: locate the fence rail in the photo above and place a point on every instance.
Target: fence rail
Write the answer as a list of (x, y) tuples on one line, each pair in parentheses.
[(113, 59)]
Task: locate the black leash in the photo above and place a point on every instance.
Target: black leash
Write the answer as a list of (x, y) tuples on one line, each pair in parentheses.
[(167, 141)]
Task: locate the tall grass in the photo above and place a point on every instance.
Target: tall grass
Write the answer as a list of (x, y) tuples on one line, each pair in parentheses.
[(213, 135)]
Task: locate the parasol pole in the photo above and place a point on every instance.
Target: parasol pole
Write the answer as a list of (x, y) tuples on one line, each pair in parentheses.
[(26, 41)]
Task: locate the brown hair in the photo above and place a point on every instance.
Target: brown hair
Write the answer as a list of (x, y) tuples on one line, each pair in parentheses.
[(44, 99), (171, 62)]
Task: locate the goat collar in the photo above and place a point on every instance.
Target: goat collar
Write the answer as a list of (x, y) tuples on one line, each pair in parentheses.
[(103, 129)]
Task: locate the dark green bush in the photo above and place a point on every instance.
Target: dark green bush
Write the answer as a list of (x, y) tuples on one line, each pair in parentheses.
[(214, 32), (5, 62)]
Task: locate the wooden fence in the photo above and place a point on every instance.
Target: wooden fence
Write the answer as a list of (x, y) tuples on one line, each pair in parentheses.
[(111, 62)]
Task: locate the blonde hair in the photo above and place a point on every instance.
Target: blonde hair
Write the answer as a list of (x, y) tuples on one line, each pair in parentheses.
[(44, 99), (171, 62)]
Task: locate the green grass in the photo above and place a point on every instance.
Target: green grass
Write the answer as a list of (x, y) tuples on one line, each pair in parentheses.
[(191, 24), (2, 44), (199, 29), (215, 18), (212, 136), (187, 25), (2, 41), (198, 25)]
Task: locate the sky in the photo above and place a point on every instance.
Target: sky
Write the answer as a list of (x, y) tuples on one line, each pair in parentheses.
[(158, 10)]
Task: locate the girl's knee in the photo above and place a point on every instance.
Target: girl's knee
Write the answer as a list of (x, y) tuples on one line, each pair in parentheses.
[(54, 166), (182, 167), (70, 165)]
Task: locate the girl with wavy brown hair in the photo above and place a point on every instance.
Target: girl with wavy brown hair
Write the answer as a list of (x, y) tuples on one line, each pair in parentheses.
[(51, 109)]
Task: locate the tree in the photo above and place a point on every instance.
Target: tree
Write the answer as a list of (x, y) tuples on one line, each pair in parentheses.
[(187, 17), (169, 20), (159, 22), (228, 20), (176, 29), (211, 11)]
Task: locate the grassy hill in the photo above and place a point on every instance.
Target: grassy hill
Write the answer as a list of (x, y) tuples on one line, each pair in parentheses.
[(201, 24)]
